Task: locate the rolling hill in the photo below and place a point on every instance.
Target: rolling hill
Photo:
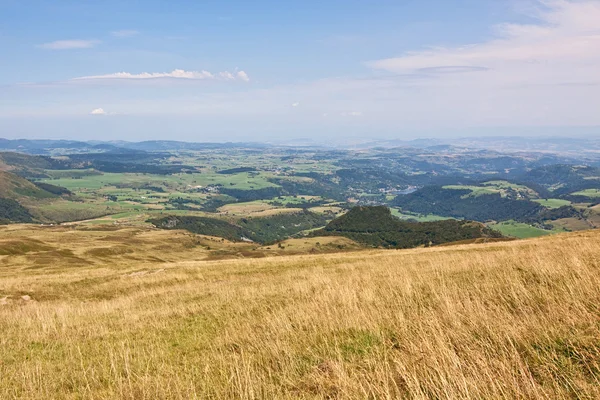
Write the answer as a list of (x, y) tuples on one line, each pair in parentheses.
[(20, 189), (145, 313), (25, 201)]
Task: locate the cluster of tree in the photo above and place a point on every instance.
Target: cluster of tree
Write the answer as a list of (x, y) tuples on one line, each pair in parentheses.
[(252, 194), (263, 230), (238, 170), (202, 226), (157, 189), (212, 204), (56, 190), (376, 227), (13, 212), (281, 226), (180, 203)]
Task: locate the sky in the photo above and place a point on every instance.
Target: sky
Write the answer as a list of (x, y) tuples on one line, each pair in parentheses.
[(327, 70)]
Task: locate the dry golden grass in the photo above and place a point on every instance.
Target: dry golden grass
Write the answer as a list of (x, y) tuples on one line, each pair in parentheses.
[(311, 245), (255, 209), (327, 209), (501, 320)]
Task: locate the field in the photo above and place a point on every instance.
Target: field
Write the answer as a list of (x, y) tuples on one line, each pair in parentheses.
[(418, 217), (588, 193), (144, 314), (236, 181), (475, 190), (553, 203), (519, 230)]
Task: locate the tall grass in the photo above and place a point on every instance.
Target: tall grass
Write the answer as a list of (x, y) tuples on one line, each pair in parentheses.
[(503, 320)]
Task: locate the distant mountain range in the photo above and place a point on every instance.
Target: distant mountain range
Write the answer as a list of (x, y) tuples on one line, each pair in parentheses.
[(46, 147), (557, 145)]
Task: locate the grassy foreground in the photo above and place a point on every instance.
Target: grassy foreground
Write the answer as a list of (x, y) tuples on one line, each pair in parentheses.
[(501, 320)]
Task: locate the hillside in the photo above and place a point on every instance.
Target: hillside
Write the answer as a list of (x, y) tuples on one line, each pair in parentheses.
[(16, 188), (134, 313), (375, 226), (16, 194), (481, 205), (11, 211), (258, 229), (25, 201)]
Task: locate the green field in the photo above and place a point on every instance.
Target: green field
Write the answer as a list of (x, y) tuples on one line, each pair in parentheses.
[(519, 230), (505, 185), (244, 181), (66, 211), (417, 217), (588, 193), (553, 203), (475, 190)]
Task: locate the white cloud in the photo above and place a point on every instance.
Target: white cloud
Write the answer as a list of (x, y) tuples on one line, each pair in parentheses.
[(98, 111), (69, 44), (352, 114), (125, 33), (296, 104), (243, 76), (564, 47), (177, 74)]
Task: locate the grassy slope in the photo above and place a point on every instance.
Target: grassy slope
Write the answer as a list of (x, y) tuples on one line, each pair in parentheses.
[(553, 203), (519, 230), (588, 193), (133, 314), (417, 217), (17, 188), (45, 206)]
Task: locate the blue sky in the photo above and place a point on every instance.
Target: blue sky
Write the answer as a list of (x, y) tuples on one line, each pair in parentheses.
[(268, 70)]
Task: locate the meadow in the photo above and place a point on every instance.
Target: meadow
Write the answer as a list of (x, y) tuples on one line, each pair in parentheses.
[(139, 313), (519, 230), (553, 203), (588, 193), (417, 217)]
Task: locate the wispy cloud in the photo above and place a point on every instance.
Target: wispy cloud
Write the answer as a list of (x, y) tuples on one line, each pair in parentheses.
[(69, 44), (175, 74), (563, 45), (125, 33)]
